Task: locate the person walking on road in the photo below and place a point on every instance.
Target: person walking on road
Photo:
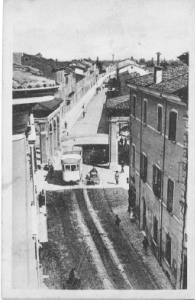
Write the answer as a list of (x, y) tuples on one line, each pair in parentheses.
[(122, 166), (145, 244), (117, 222), (71, 276), (117, 177)]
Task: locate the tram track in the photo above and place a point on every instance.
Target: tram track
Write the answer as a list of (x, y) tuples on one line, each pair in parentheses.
[(110, 266)]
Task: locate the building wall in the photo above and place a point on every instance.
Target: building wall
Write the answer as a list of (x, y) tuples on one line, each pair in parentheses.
[(23, 248), (38, 63), (151, 143)]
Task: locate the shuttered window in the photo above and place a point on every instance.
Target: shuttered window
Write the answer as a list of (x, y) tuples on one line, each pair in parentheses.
[(159, 125), (170, 189), (172, 126), (143, 167), (168, 249), (157, 175), (145, 112)]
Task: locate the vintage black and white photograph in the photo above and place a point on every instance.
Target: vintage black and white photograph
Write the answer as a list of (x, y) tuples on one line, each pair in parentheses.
[(95, 146)]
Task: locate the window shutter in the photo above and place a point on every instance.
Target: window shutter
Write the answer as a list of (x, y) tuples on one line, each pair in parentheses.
[(172, 126), (145, 168), (170, 188)]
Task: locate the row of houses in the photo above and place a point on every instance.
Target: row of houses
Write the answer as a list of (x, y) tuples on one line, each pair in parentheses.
[(28, 91), (73, 79), (154, 108), (39, 104)]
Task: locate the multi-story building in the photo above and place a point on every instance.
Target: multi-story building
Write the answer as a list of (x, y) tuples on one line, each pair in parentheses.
[(28, 90), (158, 164), (155, 116)]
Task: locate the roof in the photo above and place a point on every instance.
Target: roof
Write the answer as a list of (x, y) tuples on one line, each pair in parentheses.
[(173, 80), (79, 77), (121, 102), (25, 77), (48, 105)]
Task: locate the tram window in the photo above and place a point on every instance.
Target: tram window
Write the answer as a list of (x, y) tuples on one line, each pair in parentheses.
[(67, 167), (73, 168)]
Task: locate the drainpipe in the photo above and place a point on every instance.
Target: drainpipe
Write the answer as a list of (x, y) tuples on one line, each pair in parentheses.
[(140, 157), (162, 182)]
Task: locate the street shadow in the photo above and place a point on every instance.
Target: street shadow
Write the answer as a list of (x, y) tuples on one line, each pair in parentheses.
[(56, 179), (103, 126)]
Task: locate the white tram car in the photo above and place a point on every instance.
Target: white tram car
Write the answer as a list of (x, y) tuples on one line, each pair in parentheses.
[(71, 162)]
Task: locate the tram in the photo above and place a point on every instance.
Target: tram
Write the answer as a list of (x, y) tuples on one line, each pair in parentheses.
[(71, 162)]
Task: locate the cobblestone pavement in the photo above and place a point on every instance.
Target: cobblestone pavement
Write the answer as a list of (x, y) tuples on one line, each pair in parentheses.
[(115, 201), (66, 247)]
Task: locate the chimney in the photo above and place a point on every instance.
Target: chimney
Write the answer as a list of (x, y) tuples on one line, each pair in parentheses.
[(158, 70)]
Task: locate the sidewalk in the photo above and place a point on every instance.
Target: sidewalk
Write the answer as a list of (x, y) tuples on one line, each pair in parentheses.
[(72, 116)]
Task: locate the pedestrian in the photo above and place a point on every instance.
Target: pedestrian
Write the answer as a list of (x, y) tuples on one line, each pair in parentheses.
[(71, 277), (51, 170), (122, 166), (145, 244), (117, 177), (65, 125), (117, 222), (40, 248), (84, 113), (121, 141)]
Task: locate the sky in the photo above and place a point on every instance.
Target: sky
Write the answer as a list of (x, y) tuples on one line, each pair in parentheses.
[(74, 29)]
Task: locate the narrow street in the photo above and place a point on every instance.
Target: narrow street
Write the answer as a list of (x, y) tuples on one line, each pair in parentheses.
[(81, 230)]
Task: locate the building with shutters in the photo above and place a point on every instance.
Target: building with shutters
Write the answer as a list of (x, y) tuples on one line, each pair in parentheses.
[(158, 164), (154, 117)]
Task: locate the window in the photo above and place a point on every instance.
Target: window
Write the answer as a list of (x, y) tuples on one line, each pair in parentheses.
[(168, 249), (172, 126), (155, 230), (159, 125), (157, 174), (170, 189), (143, 167), (145, 112), (133, 156), (67, 167), (73, 168), (134, 105)]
